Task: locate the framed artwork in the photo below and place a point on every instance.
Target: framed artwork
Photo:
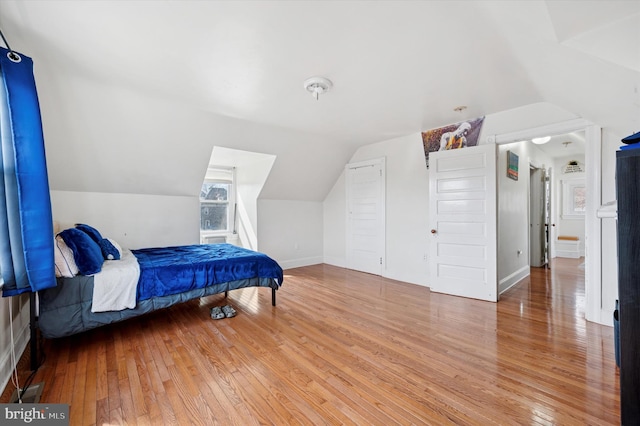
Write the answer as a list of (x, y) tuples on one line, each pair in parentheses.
[(512, 165), (453, 136)]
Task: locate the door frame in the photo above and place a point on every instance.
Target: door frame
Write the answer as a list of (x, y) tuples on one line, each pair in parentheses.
[(593, 226)]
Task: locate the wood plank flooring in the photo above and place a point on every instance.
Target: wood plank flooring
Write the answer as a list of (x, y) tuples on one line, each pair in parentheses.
[(344, 347)]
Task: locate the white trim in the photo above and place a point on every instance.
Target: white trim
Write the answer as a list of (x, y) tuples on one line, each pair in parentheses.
[(593, 225), (507, 282), (338, 261), (297, 263), (568, 202), (549, 129), (365, 163), (593, 229)]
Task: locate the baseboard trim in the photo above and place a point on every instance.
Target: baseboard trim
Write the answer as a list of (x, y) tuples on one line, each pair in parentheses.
[(511, 280), (567, 254), (335, 261), (297, 263)]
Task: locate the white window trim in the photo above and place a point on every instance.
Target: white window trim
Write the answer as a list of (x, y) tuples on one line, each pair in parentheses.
[(211, 170), (569, 210)]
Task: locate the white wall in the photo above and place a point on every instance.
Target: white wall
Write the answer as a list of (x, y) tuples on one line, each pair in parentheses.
[(291, 231), (133, 220), (513, 212), (250, 178), (407, 195), (513, 222), (335, 224)]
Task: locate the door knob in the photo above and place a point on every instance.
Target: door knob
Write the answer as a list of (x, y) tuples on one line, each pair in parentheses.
[(433, 231)]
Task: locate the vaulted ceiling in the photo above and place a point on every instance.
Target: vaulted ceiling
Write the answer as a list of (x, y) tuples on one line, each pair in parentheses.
[(398, 67)]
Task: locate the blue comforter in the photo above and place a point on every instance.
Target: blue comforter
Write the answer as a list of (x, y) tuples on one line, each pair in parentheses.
[(172, 270)]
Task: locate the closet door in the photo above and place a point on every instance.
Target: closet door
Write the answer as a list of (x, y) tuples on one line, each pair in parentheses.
[(366, 216)]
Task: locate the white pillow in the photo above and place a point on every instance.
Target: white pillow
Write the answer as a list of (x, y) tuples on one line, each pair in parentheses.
[(65, 263), (117, 246)]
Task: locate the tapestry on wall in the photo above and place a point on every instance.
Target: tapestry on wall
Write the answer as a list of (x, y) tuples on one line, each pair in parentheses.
[(453, 136)]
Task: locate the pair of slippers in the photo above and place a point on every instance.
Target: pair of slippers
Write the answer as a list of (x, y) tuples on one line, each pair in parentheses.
[(226, 311)]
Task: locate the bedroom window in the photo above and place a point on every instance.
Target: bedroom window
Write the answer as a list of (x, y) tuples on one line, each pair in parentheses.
[(574, 196), (217, 198)]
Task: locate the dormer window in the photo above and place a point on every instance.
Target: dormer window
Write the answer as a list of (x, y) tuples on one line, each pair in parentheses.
[(217, 198)]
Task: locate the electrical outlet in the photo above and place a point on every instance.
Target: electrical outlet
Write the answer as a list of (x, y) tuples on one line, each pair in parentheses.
[(425, 257), (30, 395)]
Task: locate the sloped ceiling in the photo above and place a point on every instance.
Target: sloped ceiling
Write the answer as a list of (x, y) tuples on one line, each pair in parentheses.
[(398, 68)]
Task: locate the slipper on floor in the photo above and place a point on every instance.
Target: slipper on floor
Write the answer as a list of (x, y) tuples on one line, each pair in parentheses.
[(216, 313), (229, 311)]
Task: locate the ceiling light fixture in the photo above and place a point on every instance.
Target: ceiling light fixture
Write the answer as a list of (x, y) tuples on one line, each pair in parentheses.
[(317, 86), (540, 141)]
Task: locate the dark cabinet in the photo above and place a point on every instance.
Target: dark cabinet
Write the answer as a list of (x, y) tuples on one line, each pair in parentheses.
[(628, 195)]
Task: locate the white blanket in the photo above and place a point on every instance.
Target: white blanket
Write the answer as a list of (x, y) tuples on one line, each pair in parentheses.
[(115, 287)]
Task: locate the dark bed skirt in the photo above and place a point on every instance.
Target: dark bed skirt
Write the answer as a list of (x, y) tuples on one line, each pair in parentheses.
[(66, 309)]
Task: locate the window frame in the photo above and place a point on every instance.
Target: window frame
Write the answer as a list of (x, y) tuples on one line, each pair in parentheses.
[(215, 174), (569, 208)]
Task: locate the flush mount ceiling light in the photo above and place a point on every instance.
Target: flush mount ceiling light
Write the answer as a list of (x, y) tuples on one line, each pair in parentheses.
[(540, 141), (317, 86)]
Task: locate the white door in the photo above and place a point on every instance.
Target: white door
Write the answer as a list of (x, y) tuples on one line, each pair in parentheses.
[(463, 215), (365, 216), (537, 217)]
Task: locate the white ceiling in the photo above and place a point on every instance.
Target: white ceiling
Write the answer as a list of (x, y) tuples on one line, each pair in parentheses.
[(398, 67), (564, 145)]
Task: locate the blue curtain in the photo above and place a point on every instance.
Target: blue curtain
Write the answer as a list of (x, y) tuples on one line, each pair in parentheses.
[(26, 227)]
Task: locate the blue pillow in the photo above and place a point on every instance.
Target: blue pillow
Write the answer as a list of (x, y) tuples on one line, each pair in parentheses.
[(109, 251), (86, 252), (90, 231)]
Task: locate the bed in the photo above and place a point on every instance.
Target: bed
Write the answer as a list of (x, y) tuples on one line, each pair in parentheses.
[(165, 276)]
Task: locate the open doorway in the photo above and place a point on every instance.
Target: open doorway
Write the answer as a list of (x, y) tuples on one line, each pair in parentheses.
[(566, 196), (557, 206), (512, 265)]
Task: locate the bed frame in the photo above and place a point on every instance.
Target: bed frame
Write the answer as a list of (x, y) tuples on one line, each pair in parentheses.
[(36, 349)]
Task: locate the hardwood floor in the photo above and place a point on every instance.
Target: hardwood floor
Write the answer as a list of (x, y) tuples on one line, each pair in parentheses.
[(344, 347)]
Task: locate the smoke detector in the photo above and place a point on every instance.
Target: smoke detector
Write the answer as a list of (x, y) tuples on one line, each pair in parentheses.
[(317, 86)]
